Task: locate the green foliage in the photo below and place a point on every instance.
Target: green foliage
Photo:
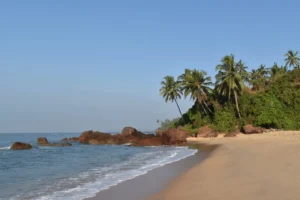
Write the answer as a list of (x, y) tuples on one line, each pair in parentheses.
[(191, 129), (224, 119), (166, 124), (271, 101)]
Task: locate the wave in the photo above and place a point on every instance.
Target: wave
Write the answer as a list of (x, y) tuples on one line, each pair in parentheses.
[(4, 148), (87, 184)]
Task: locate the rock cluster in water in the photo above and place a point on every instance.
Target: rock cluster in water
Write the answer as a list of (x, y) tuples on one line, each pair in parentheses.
[(130, 135), (42, 141)]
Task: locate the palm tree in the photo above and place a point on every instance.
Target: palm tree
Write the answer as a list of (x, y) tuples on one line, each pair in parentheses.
[(259, 78), (171, 90), (196, 84), (291, 59), (229, 79), (276, 71), (242, 70)]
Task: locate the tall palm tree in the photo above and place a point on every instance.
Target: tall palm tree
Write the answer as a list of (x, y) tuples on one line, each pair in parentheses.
[(228, 80), (263, 71), (171, 90), (242, 70), (196, 84), (291, 59)]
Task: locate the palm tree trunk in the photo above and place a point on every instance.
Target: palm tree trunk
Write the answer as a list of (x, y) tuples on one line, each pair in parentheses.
[(204, 108), (237, 104), (207, 107), (179, 110)]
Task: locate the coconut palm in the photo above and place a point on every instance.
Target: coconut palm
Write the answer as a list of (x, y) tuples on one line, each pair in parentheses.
[(196, 84), (171, 90), (291, 59), (259, 78), (276, 71), (228, 80), (242, 70)]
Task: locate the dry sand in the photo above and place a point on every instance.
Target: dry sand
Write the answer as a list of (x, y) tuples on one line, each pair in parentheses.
[(248, 167)]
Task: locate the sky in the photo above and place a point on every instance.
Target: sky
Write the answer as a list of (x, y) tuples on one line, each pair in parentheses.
[(70, 65)]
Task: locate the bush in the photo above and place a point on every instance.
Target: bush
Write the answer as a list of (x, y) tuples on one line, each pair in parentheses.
[(224, 120), (193, 130)]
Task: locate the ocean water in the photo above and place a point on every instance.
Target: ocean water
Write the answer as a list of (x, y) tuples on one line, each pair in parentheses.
[(76, 172)]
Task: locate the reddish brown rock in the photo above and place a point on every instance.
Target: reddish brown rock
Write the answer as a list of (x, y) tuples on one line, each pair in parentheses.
[(72, 139), (150, 141), (206, 131), (95, 141), (250, 129), (130, 131), (95, 135), (159, 132), (132, 136), (42, 141), (175, 136), (20, 146)]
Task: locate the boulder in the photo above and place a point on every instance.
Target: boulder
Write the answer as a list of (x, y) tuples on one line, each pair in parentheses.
[(93, 135), (42, 141), (20, 146), (130, 131), (150, 141), (173, 136), (250, 129), (206, 132)]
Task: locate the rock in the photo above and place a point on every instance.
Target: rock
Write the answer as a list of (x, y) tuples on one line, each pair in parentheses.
[(250, 129), (173, 136), (42, 141), (150, 141), (159, 132), (73, 139), (95, 135), (206, 131), (95, 141), (136, 138), (131, 131), (230, 134), (20, 146)]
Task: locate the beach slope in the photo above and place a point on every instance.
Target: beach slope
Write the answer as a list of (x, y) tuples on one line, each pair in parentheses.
[(260, 167)]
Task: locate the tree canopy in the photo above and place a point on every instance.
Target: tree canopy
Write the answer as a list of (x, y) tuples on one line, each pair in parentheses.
[(265, 96)]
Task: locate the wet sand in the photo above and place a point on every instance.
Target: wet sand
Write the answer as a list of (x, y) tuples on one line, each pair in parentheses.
[(261, 167), (155, 180)]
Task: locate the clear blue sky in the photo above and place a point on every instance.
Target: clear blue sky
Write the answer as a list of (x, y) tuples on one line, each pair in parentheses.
[(74, 65)]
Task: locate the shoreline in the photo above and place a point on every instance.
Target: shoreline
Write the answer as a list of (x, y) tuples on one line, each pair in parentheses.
[(154, 181), (261, 166)]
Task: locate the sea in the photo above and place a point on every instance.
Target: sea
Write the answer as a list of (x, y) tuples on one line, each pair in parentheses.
[(76, 172)]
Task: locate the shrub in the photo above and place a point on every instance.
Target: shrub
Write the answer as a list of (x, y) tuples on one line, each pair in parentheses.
[(224, 120)]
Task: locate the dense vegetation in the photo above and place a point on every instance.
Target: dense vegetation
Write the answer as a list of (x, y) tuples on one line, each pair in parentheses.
[(266, 96)]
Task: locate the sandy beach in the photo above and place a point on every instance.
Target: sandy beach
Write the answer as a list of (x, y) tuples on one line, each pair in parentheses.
[(263, 166)]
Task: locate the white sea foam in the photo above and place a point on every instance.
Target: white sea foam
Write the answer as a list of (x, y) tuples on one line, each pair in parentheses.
[(4, 148), (109, 176)]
